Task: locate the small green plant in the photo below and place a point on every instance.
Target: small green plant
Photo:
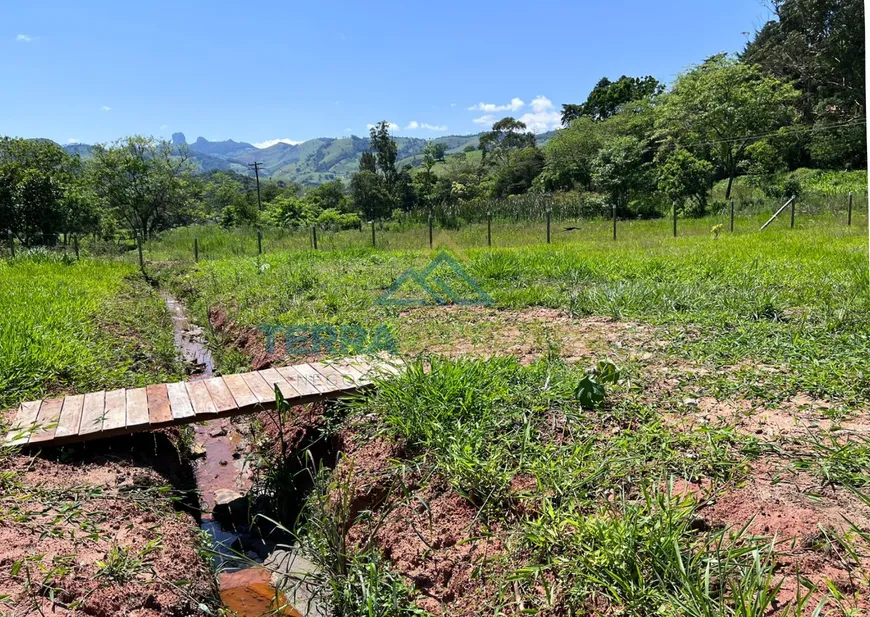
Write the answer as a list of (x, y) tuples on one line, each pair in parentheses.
[(590, 389), (122, 565)]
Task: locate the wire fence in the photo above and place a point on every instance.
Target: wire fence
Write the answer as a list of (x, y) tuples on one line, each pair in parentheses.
[(523, 221)]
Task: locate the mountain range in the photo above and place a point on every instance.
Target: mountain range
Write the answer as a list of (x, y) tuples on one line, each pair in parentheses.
[(311, 162)]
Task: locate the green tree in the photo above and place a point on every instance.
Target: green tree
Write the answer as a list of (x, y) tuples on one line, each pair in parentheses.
[(146, 182), (329, 196), (725, 106), (608, 98), (819, 45), (618, 170), (36, 198), (370, 195), (386, 152), (681, 176), (517, 176), (569, 154), (507, 136)]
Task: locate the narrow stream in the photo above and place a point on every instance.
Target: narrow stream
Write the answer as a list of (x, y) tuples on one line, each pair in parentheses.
[(223, 477)]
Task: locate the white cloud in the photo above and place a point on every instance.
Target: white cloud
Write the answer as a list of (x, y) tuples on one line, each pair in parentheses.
[(453, 104), (485, 120), (73, 140), (391, 125), (413, 125), (271, 142), (515, 105), (163, 127), (105, 108), (348, 130), (23, 38), (543, 116)]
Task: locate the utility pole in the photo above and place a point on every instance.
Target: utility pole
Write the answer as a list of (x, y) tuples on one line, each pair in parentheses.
[(256, 167)]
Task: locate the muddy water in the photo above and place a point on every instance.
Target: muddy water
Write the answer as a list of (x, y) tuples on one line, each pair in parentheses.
[(221, 467)]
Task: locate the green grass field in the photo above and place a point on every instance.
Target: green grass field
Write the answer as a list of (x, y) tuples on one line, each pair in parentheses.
[(70, 326), (714, 464)]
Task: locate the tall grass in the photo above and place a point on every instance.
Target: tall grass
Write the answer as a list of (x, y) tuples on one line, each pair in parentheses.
[(67, 325)]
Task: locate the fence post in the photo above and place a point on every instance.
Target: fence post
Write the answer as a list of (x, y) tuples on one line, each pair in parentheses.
[(675, 219), (11, 242), (373, 234), (548, 226), (195, 249), (430, 232), (793, 201), (314, 235), (259, 242), (141, 258), (732, 215), (489, 228), (76, 245), (851, 196), (614, 221)]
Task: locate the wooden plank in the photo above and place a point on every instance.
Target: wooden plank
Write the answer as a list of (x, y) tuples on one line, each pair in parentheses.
[(221, 396), (273, 377), (158, 404), (49, 415), (240, 391), (263, 391), (352, 375), (93, 412), (295, 379), (70, 416), (179, 402), (200, 398), (24, 419), (333, 376), (137, 407), (310, 374), (116, 410)]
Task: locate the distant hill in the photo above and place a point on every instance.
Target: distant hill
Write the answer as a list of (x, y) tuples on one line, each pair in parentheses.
[(311, 162)]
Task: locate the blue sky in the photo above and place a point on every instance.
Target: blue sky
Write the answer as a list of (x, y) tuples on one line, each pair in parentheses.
[(95, 71)]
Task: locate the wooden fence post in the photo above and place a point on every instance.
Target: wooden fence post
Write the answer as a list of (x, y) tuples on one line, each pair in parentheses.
[(141, 258), (614, 221), (76, 245), (851, 197), (259, 242), (793, 202), (430, 232), (489, 228), (11, 242), (548, 226), (314, 235), (195, 249), (675, 219), (732, 215), (373, 234)]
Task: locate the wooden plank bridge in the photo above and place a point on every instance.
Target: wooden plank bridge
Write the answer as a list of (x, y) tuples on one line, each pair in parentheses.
[(82, 417)]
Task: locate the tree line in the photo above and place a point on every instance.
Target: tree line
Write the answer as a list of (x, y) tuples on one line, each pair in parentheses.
[(794, 97)]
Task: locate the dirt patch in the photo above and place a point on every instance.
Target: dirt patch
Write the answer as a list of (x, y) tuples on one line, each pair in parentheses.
[(807, 522), (92, 531)]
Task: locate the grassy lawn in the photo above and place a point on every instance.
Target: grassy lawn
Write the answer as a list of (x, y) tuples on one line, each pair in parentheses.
[(713, 479), (70, 326)]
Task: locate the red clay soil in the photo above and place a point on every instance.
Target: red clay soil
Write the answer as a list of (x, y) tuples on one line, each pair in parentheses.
[(778, 502), (64, 515), (436, 539)]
